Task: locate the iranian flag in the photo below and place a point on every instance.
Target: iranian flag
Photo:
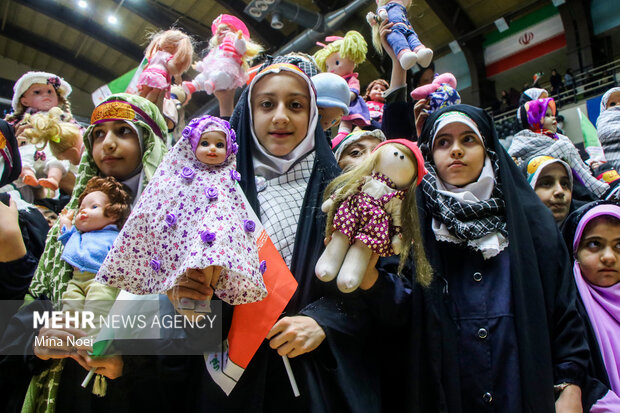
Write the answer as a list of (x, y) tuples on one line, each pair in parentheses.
[(528, 38)]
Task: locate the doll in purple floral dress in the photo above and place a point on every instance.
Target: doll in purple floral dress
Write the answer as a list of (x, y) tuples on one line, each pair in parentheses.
[(191, 217)]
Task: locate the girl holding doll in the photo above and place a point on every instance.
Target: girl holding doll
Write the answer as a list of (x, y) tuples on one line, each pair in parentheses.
[(498, 326)]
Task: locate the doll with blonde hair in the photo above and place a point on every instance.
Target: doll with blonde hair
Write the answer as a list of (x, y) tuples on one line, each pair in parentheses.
[(402, 39), (63, 138), (226, 65), (341, 56), (372, 209), (170, 54)]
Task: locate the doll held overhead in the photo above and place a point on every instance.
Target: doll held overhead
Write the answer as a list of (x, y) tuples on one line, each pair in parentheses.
[(230, 50), (372, 209), (402, 39), (190, 216)]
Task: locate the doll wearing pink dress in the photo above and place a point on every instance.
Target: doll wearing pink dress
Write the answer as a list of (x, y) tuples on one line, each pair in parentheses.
[(225, 66), (169, 54), (191, 217)]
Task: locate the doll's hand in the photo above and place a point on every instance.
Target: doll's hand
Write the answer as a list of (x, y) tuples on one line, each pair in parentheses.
[(12, 245), (108, 366), (569, 400), (371, 18), (326, 206), (294, 336), (397, 243), (66, 218), (420, 115)]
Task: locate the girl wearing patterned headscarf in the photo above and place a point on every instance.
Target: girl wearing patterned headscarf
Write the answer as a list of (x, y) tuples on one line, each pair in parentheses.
[(608, 126), (126, 139), (541, 138)]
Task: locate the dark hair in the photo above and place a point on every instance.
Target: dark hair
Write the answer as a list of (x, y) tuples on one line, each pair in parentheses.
[(117, 193), (418, 75)]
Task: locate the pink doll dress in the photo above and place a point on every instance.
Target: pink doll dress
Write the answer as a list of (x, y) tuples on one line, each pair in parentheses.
[(222, 68), (155, 74), (191, 215), (363, 216)]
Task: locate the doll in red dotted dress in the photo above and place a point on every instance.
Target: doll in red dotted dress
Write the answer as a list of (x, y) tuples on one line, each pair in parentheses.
[(372, 209), (169, 55)]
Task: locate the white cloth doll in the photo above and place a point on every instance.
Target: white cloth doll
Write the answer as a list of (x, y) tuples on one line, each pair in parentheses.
[(191, 216), (372, 210), (225, 66)]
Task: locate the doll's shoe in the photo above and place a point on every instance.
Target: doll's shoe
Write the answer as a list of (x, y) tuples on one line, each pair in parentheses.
[(425, 56), (189, 88), (209, 87), (49, 183), (186, 304), (408, 59), (30, 180)]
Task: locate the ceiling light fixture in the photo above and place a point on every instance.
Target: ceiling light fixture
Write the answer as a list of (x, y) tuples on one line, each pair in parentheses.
[(112, 19), (82, 4)]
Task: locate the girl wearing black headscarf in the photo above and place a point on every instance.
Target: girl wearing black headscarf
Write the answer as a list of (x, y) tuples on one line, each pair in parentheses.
[(497, 329), (285, 163)]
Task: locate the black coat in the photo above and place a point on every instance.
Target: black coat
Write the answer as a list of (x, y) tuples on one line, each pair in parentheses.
[(550, 333)]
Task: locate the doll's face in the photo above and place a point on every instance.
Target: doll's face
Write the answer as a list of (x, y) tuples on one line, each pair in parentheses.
[(91, 216), (280, 112), (330, 117), (613, 100), (40, 97), (549, 121), (222, 31), (116, 149), (458, 154), (598, 253), (211, 148), (357, 152), (394, 163), (339, 65), (376, 92), (554, 190)]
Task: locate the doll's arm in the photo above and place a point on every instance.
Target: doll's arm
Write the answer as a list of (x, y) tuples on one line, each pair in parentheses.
[(329, 203), (240, 44), (393, 208), (66, 221), (372, 18)]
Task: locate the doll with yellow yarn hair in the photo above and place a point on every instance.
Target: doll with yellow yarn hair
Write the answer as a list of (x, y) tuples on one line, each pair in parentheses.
[(54, 145), (226, 65), (341, 56), (170, 54)]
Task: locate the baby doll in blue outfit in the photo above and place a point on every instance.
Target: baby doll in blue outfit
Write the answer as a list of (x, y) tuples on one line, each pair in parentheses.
[(104, 207)]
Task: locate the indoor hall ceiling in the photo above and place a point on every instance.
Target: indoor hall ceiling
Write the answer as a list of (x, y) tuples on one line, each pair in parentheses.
[(79, 44)]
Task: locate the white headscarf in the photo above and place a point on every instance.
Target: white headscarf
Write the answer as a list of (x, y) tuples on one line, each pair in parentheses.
[(270, 166)]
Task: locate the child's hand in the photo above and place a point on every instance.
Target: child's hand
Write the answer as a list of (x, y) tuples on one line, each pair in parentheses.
[(108, 366), (194, 285), (420, 114), (385, 28), (294, 336), (12, 245)]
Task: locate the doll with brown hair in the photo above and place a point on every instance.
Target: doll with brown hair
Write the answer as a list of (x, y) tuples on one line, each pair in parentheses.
[(103, 208), (374, 98), (372, 209), (169, 55), (39, 92), (230, 51)]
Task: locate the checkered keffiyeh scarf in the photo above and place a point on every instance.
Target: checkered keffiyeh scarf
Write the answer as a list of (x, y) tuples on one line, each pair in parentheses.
[(527, 144), (608, 128), (466, 221)]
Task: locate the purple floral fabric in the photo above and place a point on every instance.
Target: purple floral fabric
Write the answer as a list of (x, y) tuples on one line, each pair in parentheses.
[(191, 215)]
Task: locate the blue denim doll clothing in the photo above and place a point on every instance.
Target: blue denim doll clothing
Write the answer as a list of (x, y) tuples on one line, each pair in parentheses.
[(402, 36)]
